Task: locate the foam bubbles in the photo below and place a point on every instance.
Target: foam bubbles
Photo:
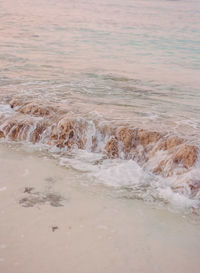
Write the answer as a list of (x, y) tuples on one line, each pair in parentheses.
[(133, 180)]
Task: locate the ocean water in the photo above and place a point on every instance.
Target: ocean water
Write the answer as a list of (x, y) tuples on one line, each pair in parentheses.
[(104, 65)]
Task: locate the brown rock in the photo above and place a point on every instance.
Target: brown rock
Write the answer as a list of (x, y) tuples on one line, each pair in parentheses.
[(62, 132), (169, 143), (68, 133), (35, 109), (194, 186), (16, 102), (65, 126), (126, 136), (159, 169), (2, 134), (146, 137), (106, 130), (8, 126), (54, 228), (186, 155), (36, 134), (28, 189), (112, 148), (15, 131)]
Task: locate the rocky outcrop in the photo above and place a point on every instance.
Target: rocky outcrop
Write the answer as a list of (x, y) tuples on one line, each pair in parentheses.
[(38, 131), (112, 148), (16, 103), (167, 143), (30, 108), (186, 155), (159, 153), (35, 110), (144, 146), (63, 134), (67, 133), (126, 136), (145, 137)]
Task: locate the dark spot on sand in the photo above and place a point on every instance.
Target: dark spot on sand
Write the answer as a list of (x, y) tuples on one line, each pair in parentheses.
[(39, 198), (50, 179), (54, 228), (28, 189)]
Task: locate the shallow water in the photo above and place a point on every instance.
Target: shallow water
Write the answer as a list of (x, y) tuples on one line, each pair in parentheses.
[(133, 64), (91, 229)]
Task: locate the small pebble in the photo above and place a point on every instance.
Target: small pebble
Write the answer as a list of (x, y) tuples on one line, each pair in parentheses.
[(54, 228)]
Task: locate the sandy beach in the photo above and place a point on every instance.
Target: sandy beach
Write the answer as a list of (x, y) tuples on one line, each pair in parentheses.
[(51, 221)]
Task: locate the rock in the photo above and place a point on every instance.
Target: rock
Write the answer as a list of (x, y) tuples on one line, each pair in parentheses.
[(106, 130), (37, 132), (69, 133), (15, 131), (18, 130), (144, 137), (159, 153), (126, 136), (63, 133), (169, 143), (194, 186), (186, 155), (16, 102), (28, 189), (35, 109), (112, 148), (164, 168), (2, 134), (54, 228), (8, 126)]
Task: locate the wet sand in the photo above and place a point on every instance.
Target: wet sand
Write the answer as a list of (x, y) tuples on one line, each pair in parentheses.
[(52, 221)]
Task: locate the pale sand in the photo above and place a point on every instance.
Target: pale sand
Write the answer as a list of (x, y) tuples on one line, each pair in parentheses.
[(97, 232)]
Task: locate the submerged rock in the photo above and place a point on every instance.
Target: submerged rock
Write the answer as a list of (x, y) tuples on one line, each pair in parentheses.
[(36, 110)]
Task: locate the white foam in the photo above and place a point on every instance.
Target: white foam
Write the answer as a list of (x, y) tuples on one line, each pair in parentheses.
[(6, 109), (118, 173), (141, 183)]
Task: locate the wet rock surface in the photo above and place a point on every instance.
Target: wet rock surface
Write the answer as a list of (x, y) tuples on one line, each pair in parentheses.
[(186, 155), (112, 147), (158, 152), (2, 134)]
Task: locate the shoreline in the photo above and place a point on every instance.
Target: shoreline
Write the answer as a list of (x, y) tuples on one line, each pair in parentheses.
[(88, 230), (172, 160)]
